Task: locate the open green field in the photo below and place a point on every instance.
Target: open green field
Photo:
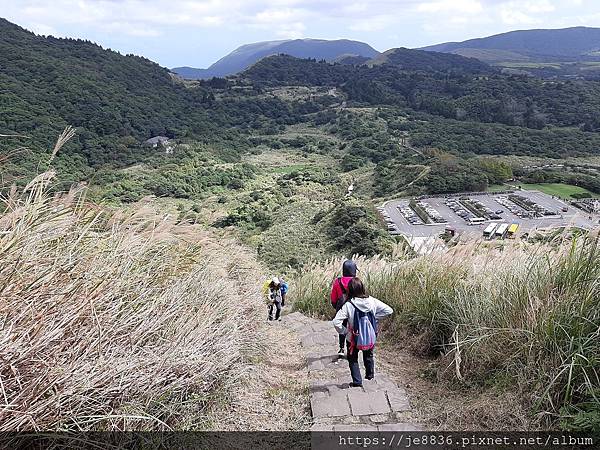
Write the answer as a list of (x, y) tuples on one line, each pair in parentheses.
[(557, 189)]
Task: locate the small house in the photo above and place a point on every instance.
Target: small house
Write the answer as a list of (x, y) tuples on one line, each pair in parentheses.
[(156, 141)]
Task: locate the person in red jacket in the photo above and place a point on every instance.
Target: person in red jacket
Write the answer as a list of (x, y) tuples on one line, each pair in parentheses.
[(339, 293)]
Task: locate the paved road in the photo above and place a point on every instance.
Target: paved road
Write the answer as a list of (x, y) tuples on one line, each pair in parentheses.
[(380, 405)]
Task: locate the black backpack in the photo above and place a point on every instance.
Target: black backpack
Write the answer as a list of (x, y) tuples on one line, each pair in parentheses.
[(344, 297)]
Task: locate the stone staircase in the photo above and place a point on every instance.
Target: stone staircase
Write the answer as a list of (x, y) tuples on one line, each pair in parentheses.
[(379, 405)]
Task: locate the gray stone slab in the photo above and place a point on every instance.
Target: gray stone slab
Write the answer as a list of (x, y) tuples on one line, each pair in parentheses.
[(328, 385), (316, 364), (355, 427), (367, 403), (379, 418), (321, 427), (324, 338), (307, 341), (383, 380), (400, 427), (335, 405), (378, 406), (328, 361), (371, 386), (398, 400)]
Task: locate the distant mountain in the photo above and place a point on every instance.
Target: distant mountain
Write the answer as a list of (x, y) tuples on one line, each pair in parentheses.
[(246, 55), (429, 61), (570, 43)]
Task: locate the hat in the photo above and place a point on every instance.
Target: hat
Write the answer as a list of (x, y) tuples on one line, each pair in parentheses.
[(349, 268), (275, 280)]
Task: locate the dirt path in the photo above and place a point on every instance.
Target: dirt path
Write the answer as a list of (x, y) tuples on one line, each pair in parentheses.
[(274, 393), (379, 405)]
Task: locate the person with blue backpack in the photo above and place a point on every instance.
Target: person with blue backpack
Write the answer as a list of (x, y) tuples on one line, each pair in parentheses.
[(362, 313)]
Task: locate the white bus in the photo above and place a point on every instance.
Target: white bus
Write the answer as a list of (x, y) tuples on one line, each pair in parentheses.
[(501, 230), (489, 230), (476, 220)]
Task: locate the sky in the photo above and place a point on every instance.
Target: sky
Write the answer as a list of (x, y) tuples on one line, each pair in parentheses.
[(197, 33)]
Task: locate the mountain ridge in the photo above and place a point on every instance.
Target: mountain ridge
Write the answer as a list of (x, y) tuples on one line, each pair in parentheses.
[(244, 56), (560, 42)]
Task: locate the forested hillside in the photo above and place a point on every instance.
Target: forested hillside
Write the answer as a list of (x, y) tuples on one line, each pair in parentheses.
[(461, 88), (454, 110)]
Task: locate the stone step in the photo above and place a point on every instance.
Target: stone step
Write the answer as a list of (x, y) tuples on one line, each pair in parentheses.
[(375, 407), (385, 427)]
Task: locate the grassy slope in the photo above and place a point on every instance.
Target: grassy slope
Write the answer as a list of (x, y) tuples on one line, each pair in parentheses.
[(134, 322)]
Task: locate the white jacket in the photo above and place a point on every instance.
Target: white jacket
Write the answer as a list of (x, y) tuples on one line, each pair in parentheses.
[(379, 308)]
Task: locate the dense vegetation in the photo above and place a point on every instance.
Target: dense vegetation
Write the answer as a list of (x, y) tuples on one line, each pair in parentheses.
[(429, 100), (410, 122), (115, 102)]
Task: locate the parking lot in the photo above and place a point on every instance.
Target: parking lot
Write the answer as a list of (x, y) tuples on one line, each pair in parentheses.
[(402, 219)]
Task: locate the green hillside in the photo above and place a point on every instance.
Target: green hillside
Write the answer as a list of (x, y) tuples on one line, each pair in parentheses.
[(455, 111)]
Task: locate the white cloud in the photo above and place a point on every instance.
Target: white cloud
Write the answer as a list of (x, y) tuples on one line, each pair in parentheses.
[(44, 30), (525, 12), (291, 31), (359, 15), (277, 15), (451, 6), (371, 24), (234, 22)]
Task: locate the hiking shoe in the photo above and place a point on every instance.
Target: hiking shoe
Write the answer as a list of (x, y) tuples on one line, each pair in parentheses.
[(370, 378), (355, 385), (341, 351)]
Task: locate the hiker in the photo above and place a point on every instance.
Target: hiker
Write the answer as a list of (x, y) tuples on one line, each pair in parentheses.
[(362, 312), (274, 296), (339, 293), (284, 290)]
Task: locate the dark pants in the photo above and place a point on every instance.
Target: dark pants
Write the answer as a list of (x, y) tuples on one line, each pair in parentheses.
[(282, 299), (277, 313), (354, 367)]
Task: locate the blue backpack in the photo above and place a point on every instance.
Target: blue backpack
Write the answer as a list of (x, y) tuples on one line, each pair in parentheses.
[(365, 329)]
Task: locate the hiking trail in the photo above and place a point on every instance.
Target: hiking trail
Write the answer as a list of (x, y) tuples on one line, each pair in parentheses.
[(379, 405)]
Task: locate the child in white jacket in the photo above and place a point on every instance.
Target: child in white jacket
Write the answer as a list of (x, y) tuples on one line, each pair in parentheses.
[(361, 300)]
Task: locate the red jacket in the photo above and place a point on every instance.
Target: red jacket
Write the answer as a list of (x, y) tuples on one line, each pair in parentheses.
[(336, 289)]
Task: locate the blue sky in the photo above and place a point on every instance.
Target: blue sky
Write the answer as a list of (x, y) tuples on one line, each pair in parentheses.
[(197, 33)]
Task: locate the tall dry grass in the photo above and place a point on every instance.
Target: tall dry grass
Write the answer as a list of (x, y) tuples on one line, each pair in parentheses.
[(112, 322), (529, 313)]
